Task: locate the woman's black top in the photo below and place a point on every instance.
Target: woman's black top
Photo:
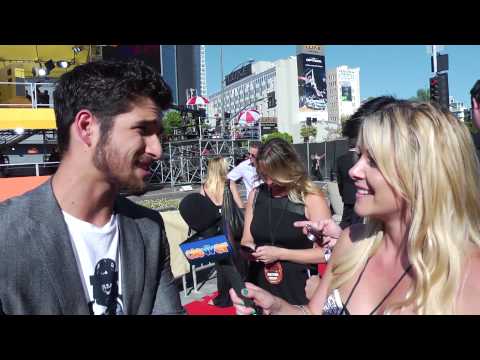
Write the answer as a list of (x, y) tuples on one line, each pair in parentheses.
[(283, 214)]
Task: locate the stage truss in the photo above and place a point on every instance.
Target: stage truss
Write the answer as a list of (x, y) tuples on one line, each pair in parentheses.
[(185, 162)]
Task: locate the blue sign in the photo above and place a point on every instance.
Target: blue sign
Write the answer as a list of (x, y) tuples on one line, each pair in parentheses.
[(207, 250)]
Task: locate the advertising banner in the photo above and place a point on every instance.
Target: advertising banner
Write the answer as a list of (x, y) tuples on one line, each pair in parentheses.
[(312, 84), (346, 89)]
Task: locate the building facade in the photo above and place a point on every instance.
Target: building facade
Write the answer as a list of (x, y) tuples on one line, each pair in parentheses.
[(245, 88), (457, 108), (298, 87), (343, 89)]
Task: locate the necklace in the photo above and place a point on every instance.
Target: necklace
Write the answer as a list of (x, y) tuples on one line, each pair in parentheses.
[(274, 230), (274, 272)]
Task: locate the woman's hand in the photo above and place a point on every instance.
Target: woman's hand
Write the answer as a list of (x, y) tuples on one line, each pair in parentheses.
[(267, 254), (245, 253), (261, 298), (328, 229)]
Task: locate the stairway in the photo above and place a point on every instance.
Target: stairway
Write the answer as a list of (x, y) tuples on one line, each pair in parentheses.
[(9, 139)]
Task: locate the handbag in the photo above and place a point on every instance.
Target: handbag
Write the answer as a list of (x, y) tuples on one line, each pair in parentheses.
[(232, 214)]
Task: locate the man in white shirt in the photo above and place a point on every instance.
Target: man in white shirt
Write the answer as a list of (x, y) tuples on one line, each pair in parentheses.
[(82, 248), (246, 171)]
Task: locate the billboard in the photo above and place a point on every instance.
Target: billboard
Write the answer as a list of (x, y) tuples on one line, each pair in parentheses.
[(346, 91), (312, 84), (239, 74)]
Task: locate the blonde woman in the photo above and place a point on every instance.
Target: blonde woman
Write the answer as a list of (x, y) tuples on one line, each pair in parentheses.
[(213, 190), (214, 184), (281, 252), (418, 253)]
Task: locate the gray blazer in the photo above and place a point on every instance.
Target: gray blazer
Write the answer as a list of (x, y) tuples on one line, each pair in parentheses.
[(39, 273)]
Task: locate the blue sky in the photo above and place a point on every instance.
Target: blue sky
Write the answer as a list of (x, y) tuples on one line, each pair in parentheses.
[(398, 70)]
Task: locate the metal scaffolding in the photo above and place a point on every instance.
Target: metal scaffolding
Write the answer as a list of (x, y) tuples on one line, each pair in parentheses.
[(185, 162)]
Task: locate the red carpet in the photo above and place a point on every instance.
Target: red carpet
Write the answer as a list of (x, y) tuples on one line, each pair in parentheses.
[(201, 307), (15, 186)]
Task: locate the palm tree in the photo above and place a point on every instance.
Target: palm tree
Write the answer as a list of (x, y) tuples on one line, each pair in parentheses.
[(307, 132)]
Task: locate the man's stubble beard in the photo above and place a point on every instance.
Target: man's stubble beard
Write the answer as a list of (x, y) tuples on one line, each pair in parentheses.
[(108, 162)]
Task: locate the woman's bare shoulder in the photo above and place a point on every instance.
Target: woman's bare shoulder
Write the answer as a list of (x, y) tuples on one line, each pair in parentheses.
[(469, 300)]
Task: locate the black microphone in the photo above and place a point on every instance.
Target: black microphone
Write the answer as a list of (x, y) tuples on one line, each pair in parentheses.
[(210, 245), (232, 274)]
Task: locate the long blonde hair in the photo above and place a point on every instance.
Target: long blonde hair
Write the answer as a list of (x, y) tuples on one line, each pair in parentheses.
[(428, 157), (216, 177), (278, 160)]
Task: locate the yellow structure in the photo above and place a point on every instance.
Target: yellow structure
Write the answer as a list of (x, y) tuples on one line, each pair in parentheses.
[(30, 56), (16, 65), (33, 119)]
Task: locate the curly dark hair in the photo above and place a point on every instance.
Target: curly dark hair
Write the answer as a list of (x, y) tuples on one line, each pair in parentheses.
[(107, 89)]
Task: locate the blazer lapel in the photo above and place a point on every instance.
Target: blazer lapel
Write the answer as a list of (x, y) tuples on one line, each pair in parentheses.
[(58, 255), (132, 256)]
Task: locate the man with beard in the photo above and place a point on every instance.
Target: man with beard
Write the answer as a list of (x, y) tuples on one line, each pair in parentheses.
[(73, 245)]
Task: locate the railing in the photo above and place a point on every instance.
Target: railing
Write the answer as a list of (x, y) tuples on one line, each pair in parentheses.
[(33, 94), (28, 169)]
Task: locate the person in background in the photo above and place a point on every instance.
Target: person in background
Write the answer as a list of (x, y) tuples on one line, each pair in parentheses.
[(316, 168), (345, 162), (282, 254), (213, 190), (3, 169), (475, 97), (246, 172), (419, 250)]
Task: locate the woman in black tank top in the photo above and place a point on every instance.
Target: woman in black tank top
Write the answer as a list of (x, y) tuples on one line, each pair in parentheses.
[(213, 190), (283, 255)]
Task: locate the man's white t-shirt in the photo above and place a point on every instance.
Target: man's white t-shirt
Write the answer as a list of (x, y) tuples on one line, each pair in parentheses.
[(98, 259), (247, 172)]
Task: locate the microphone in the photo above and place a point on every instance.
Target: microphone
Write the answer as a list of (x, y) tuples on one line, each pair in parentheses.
[(203, 248), (238, 284), (218, 249)]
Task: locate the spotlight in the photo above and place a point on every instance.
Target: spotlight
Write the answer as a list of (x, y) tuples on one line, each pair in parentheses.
[(40, 72), (77, 49), (63, 64)]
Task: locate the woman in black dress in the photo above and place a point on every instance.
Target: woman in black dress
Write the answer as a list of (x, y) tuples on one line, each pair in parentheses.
[(213, 190), (282, 252)]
